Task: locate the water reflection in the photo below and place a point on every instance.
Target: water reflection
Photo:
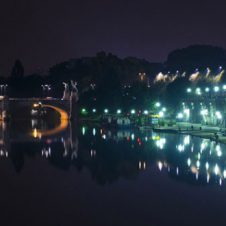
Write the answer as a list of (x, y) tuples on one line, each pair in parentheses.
[(113, 154)]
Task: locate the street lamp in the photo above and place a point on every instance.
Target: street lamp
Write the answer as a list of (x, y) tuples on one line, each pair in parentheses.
[(179, 115), (45, 89), (145, 112), (157, 104), (216, 89), (119, 111), (161, 114), (188, 90), (198, 91), (218, 115)]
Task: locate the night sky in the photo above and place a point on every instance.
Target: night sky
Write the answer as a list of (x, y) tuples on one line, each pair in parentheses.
[(42, 33)]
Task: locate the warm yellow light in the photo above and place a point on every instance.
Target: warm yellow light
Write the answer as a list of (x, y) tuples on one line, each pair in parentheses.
[(35, 105)]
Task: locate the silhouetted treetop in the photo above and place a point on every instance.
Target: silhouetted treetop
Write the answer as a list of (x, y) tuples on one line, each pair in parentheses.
[(17, 70), (200, 56)]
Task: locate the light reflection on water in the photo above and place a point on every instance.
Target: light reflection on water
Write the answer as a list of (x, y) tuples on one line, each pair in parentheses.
[(112, 154)]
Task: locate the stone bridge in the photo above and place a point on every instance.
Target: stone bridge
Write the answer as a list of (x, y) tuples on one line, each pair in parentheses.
[(18, 108)]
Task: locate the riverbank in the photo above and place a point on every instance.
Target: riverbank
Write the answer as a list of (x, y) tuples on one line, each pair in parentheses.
[(207, 132)]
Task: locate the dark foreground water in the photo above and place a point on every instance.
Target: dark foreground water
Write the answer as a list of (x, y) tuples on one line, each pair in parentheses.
[(94, 176)]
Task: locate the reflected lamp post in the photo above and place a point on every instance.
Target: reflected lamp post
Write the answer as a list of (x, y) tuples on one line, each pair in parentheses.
[(3, 88)]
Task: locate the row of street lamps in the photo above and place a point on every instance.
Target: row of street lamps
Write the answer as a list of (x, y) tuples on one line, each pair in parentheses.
[(45, 89), (198, 90)]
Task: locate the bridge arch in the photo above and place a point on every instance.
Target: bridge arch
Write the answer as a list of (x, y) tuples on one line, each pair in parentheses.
[(63, 114)]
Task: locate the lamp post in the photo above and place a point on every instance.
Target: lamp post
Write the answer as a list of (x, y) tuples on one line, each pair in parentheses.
[(45, 89)]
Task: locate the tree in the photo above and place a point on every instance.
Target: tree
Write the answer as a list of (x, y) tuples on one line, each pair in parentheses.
[(17, 70)]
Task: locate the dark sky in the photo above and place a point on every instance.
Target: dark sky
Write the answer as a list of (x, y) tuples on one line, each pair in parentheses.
[(42, 33)]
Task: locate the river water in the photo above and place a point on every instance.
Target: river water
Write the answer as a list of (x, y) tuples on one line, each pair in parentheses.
[(89, 175)]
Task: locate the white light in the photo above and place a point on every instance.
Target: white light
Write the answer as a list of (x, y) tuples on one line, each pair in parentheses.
[(216, 169), (186, 140), (160, 165), (224, 173), (187, 112), (224, 87), (216, 88), (132, 111), (198, 91), (94, 110), (164, 109), (83, 130), (146, 112), (189, 161), (157, 104), (160, 143), (204, 112), (106, 111), (119, 111), (198, 164), (161, 114), (177, 171), (180, 147), (218, 114), (180, 115), (207, 166), (207, 89), (188, 90), (218, 150)]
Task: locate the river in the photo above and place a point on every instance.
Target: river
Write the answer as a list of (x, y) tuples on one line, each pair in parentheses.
[(89, 175)]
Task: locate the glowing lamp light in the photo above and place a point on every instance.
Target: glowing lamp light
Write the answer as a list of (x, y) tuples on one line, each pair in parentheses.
[(180, 116), (224, 87), (204, 112), (83, 111), (189, 162), (146, 112), (188, 90), (83, 130), (224, 173), (198, 91), (218, 115), (35, 105), (161, 114), (133, 111), (216, 89), (119, 111), (106, 110), (157, 104), (207, 89), (216, 169), (187, 112), (94, 110), (164, 109)]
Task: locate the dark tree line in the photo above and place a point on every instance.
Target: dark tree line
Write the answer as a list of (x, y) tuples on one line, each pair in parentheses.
[(102, 78)]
